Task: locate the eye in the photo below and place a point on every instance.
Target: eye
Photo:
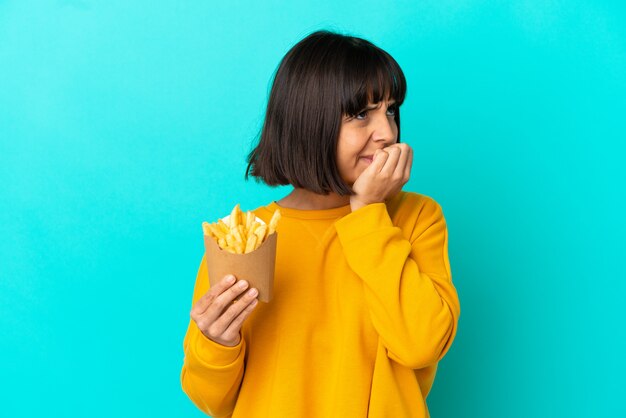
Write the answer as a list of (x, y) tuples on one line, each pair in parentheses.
[(391, 111), (361, 115)]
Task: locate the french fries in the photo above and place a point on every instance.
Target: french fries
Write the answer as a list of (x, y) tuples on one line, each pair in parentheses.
[(242, 233)]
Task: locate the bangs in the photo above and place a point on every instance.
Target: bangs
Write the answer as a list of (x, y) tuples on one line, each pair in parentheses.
[(371, 76)]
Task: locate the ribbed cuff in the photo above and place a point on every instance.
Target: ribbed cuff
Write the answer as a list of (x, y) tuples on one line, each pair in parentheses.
[(362, 222), (216, 355)]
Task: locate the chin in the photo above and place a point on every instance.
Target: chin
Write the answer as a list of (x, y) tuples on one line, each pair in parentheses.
[(349, 182)]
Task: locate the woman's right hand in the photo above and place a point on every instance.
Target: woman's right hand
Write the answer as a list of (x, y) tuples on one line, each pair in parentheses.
[(218, 317), (384, 177)]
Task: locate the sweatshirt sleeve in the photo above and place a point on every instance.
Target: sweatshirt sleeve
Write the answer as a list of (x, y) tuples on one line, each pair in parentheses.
[(408, 286), (211, 373)]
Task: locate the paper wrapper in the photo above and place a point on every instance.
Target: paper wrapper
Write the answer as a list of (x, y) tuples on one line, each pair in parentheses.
[(257, 267)]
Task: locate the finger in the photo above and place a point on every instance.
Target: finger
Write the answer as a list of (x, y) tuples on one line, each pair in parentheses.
[(203, 303), (234, 327), (392, 162), (405, 150), (233, 311), (224, 300), (409, 164), (380, 157)]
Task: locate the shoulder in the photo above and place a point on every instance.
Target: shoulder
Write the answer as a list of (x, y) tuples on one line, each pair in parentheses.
[(412, 204), (264, 212), (414, 213)]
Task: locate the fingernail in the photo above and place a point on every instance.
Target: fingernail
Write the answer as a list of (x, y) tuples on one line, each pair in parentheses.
[(230, 279), (252, 292), (242, 284)]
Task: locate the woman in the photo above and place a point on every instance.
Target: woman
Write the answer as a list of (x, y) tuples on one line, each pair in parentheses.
[(364, 306)]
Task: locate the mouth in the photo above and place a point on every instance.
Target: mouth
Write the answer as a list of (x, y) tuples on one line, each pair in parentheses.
[(367, 158)]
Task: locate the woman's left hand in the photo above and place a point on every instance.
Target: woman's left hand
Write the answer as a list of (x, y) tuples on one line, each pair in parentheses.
[(384, 177)]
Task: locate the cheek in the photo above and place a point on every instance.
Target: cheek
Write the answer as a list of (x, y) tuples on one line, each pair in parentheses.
[(348, 152), (351, 146), (350, 168)]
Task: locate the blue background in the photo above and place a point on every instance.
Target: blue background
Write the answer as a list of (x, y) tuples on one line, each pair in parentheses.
[(125, 124)]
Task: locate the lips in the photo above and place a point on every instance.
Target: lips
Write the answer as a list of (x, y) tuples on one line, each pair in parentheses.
[(367, 158)]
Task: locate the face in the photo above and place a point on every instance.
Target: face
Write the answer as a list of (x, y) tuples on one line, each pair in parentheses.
[(361, 135)]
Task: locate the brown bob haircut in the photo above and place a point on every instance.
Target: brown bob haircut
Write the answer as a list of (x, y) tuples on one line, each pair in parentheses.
[(321, 79)]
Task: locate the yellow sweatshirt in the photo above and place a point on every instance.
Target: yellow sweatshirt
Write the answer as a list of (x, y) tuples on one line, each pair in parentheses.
[(363, 309)]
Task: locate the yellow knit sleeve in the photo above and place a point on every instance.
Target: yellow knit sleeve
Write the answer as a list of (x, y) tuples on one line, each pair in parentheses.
[(406, 272), (211, 373)]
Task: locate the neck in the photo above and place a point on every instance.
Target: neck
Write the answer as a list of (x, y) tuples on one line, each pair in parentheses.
[(307, 200)]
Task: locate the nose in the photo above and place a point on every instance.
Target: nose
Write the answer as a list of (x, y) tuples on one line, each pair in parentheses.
[(385, 130)]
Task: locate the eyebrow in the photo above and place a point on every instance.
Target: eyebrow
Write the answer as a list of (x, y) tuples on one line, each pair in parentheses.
[(376, 107)]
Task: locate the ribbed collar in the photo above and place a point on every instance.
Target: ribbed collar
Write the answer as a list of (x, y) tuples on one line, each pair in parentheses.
[(332, 213)]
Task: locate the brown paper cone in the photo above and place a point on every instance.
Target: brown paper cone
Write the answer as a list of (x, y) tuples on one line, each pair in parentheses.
[(257, 267)]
